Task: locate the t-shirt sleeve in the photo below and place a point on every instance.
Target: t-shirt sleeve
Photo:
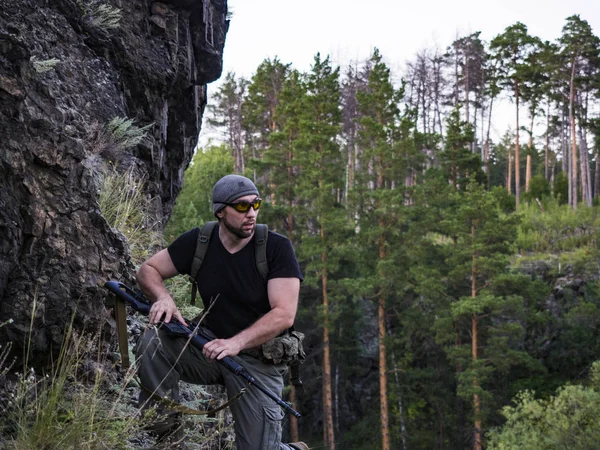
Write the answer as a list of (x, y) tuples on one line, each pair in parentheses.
[(284, 263), (182, 251)]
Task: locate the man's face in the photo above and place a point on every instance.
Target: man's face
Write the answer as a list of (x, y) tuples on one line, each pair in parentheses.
[(241, 224)]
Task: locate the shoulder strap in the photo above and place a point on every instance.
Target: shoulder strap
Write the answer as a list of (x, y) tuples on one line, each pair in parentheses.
[(201, 247), (262, 233)]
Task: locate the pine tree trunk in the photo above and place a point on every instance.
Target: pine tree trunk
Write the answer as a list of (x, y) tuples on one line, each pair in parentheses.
[(385, 427), (466, 75), (460, 406), (474, 352), (528, 166), (573, 140), (586, 191), (397, 381), (564, 149), (327, 397), (476, 400), (509, 174), (517, 150), (574, 178), (294, 433), (597, 175), (586, 155), (547, 148)]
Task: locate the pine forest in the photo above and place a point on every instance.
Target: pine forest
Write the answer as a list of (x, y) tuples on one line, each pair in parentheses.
[(451, 297)]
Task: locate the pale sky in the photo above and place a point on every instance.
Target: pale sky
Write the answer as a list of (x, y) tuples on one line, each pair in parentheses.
[(348, 30)]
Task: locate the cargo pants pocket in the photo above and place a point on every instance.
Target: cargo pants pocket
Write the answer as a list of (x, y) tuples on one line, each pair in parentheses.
[(273, 415)]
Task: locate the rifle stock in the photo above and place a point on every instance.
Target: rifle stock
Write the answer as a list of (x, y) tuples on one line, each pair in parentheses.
[(141, 304)]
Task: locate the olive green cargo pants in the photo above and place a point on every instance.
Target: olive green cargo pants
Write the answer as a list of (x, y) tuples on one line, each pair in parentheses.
[(163, 360)]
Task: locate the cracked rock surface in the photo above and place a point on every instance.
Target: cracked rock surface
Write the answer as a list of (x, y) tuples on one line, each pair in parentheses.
[(64, 74)]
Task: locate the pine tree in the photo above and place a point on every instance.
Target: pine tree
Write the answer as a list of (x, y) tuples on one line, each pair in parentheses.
[(485, 297), (280, 157), (382, 169), (581, 48), (511, 49), (457, 161), (320, 183), (260, 107)]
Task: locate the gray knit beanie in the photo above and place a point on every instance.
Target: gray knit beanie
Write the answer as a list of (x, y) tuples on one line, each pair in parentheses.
[(230, 187)]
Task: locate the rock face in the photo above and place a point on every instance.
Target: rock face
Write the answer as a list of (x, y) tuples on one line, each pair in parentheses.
[(66, 70)]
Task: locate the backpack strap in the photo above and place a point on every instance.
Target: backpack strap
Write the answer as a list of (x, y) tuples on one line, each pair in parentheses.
[(261, 235), (201, 247)]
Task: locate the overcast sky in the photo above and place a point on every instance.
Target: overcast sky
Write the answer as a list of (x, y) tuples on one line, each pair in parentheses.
[(348, 30)]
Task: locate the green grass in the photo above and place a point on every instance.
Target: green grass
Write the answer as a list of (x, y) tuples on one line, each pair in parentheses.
[(125, 206), (55, 409)]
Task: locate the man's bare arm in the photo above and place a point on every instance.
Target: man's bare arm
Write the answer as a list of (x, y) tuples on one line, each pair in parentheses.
[(150, 278), (283, 298)]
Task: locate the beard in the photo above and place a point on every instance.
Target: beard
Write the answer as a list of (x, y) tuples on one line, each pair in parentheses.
[(238, 232)]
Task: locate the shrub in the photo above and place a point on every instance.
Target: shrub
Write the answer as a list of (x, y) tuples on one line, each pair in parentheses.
[(567, 420), (125, 134)]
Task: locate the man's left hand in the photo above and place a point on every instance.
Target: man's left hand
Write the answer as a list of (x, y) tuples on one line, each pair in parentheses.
[(220, 348)]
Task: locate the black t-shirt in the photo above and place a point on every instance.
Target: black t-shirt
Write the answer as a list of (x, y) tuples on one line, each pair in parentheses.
[(234, 278)]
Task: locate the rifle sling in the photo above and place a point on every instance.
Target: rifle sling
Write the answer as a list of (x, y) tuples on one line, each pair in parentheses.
[(121, 322)]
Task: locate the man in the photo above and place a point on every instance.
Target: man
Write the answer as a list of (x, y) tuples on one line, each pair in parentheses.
[(247, 311)]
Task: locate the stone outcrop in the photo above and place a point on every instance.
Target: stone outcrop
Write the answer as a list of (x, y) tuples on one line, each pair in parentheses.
[(66, 70)]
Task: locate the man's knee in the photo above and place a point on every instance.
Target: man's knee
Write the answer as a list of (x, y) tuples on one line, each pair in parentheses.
[(148, 344)]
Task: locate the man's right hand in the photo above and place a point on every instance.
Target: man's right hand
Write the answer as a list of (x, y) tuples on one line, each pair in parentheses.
[(150, 277), (164, 306)]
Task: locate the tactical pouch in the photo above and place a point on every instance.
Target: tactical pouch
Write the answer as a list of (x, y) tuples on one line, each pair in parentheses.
[(287, 348)]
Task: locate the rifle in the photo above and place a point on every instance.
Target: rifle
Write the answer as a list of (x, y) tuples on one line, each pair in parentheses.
[(141, 304)]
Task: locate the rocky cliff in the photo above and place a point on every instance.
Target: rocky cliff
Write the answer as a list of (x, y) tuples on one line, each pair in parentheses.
[(67, 68)]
